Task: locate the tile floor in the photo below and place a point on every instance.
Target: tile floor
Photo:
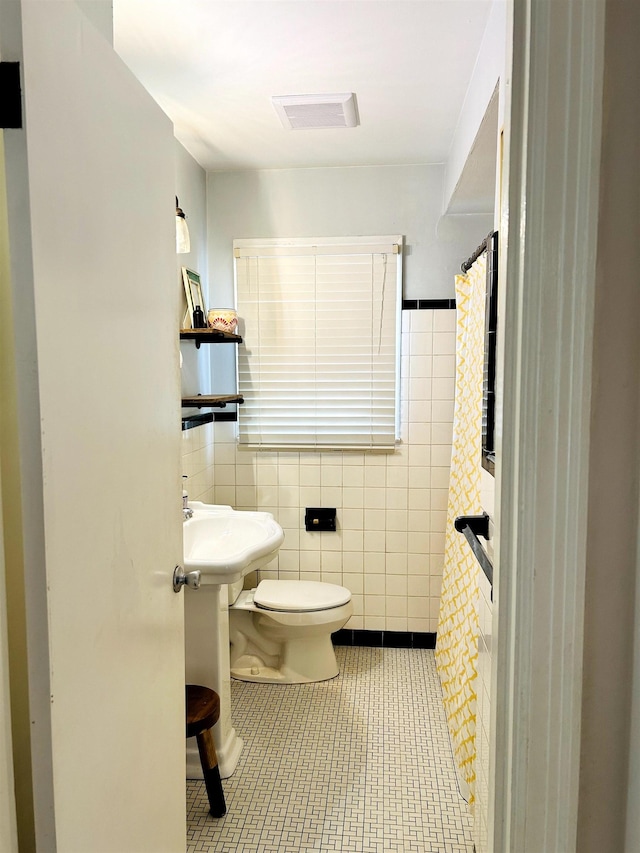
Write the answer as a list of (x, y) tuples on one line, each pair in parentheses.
[(360, 763)]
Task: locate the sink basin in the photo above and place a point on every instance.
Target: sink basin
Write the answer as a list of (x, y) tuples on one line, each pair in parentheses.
[(226, 544)]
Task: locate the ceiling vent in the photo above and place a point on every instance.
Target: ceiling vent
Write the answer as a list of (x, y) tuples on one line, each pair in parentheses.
[(308, 112)]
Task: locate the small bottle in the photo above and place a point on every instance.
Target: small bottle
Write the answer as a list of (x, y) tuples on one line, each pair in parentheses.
[(198, 318)]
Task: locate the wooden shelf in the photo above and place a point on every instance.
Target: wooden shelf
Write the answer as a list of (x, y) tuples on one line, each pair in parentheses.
[(206, 401), (209, 401), (209, 336)]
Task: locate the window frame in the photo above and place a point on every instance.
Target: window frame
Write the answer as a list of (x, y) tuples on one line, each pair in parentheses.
[(365, 245)]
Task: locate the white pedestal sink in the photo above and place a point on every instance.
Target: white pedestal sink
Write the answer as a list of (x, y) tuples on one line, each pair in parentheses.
[(224, 545)]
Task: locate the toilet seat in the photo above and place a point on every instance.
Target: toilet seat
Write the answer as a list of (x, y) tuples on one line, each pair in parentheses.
[(299, 596)]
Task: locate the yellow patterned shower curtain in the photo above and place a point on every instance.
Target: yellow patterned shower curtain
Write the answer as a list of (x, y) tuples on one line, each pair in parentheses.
[(457, 643)]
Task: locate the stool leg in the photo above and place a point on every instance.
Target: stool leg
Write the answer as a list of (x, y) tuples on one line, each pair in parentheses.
[(212, 782)]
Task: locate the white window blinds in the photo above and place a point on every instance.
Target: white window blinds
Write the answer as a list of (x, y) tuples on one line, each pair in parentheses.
[(319, 366)]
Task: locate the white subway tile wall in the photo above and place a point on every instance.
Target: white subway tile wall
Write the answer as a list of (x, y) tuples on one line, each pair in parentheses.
[(391, 508), (198, 459)]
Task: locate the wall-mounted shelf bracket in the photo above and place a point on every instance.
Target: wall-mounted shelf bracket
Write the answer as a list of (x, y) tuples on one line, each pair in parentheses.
[(478, 524), (473, 526), (209, 336)]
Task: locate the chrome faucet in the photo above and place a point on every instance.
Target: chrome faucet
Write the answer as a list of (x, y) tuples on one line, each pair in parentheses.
[(187, 512)]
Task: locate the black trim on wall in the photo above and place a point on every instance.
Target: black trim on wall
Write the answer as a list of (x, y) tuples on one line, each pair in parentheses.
[(427, 304), (384, 639), (191, 421), (11, 104)]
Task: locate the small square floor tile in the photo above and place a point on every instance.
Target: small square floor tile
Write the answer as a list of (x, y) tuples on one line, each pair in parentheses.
[(356, 764)]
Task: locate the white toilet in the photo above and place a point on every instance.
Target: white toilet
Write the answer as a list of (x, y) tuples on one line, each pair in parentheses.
[(280, 632)]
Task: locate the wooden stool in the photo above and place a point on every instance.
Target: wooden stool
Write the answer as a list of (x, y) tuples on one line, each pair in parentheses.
[(203, 712)]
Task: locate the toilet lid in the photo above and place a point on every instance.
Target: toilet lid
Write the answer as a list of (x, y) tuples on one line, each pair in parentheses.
[(300, 596)]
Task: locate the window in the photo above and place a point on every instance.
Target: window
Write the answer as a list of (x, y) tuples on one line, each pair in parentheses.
[(319, 366)]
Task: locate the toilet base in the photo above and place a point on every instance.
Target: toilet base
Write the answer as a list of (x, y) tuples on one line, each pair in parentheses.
[(301, 661), (284, 646), (266, 675)]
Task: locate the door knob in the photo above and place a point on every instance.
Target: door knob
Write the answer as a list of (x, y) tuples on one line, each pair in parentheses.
[(182, 578)]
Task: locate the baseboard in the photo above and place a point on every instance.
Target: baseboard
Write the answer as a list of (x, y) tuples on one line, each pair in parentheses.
[(385, 639)]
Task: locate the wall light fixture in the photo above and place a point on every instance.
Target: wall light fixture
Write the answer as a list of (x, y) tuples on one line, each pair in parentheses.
[(183, 243)]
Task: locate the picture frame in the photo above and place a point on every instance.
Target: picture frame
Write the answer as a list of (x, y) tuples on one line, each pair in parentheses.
[(193, 292)]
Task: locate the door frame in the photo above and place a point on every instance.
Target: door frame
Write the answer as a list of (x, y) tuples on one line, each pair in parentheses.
[(554, 80)]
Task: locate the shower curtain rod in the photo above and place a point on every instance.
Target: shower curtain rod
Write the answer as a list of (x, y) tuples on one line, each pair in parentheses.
[(465, 266)]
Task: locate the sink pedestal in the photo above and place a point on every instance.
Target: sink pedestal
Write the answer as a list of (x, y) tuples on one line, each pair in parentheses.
[(223, 545), (207, 663)]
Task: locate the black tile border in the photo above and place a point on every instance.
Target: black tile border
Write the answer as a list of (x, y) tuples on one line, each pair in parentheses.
[(385, 639), (191, 421), (427, 304)]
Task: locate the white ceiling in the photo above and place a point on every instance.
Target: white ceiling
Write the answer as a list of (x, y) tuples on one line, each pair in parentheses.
[(213, 66)]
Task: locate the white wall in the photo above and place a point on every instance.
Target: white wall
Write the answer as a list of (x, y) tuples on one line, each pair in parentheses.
[(191, 189), (489, 68), (609, 780), (391, 508), (475, 191), (344, 202), (100, 13), (329, 202)]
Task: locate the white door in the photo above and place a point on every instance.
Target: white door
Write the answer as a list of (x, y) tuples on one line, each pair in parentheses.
[(91, 201)]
